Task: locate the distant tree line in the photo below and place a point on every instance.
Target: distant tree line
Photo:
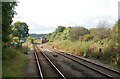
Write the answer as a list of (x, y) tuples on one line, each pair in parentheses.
[(37, 35), (101, 42), (102, 31)]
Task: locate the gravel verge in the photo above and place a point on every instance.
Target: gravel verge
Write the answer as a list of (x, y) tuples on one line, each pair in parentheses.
[(31, 70), (69, 67)]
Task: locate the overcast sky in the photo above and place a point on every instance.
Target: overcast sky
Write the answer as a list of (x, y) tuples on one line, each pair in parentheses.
[(43, 16)]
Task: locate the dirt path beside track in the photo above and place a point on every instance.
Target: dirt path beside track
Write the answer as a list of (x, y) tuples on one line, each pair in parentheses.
[(31, 66)]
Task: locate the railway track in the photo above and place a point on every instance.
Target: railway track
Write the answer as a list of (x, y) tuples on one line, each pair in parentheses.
[(105, 71), (45, 66)]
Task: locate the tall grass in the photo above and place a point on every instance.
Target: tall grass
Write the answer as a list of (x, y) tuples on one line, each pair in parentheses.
[(13, 62), (91, 49)]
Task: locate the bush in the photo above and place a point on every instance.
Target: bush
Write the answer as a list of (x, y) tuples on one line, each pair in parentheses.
[(60, 29), (99, 33), (53, 36), (16, 39), (31, 40), (8, 54), (75, 32), (65, 34), (88, 37)]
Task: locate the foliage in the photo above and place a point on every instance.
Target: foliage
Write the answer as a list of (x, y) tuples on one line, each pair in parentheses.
[(7, 15), (14, 55), (15, 32), (19, 29), (88, 37), (52, 36), (10, 33), (8, 54), (82, 42), (65, 34), (16, 39), (99, 33), (114, 31), (37, 35), (58, 36), (30, 39), (60, 29), (75, 32)]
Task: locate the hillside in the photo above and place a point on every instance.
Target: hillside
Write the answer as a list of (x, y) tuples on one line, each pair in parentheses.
[(97, 43), (37, 35)]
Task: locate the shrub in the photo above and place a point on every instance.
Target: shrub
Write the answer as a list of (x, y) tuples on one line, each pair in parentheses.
[(75, 32), (88, 37), (8, 54), (60, 29), (16, 39)]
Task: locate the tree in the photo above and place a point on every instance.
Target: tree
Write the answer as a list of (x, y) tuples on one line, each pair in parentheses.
[(103, 24), (20, 29), (60, 29), (75, 32), (99, 33), (53, 36), (15, 32), (87, 37), (114, 32), (119, 33), (7, 15), (65, 34)]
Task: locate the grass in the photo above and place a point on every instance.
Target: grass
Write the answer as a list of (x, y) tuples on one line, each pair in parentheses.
[(72, 47), (14, 69), (13, 62)]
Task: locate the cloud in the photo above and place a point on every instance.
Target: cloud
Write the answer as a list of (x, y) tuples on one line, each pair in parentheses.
[(44, 14), (42, 29)]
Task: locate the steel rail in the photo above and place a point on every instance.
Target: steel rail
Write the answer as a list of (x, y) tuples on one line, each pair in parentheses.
[(112, 70), (107, 75), (52, 63), (96, 64), (38, 64)]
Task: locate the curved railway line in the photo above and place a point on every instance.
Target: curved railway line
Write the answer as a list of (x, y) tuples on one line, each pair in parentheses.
[(45, 66), (105, 71)]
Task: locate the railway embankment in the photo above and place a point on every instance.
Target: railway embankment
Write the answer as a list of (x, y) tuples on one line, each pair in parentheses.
[(90, 50), (13, 62), (98, 67)]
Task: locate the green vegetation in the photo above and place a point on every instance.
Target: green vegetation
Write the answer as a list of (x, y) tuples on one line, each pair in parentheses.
[(16, 39), (13, 57), (75, 32), (60, 29), (19, 29), (37, 35), (13, 62), (7, 15), (30, 41), (97, 43)]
